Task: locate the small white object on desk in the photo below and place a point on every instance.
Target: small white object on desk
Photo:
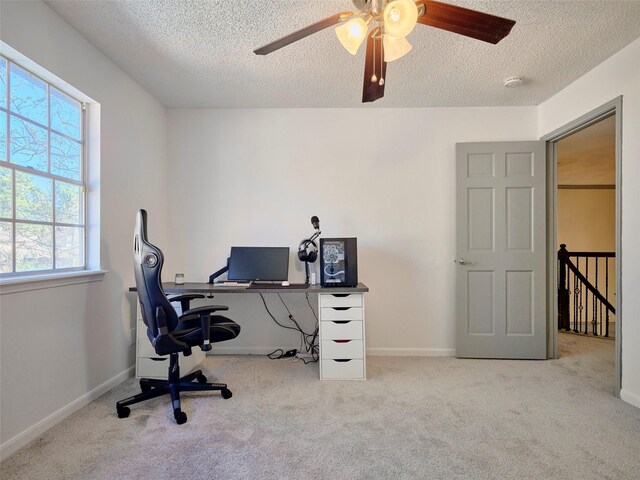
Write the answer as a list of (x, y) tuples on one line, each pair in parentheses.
[(285, 284), (179, 279)]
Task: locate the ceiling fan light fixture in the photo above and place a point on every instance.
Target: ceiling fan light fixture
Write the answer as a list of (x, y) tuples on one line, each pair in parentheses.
[(352, 33), (395, 48), (400, 16)]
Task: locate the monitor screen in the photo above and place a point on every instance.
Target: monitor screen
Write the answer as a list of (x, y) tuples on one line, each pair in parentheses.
[(259, 263)]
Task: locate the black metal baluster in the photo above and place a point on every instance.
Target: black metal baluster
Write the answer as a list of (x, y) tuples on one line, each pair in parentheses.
[(570, 299), (606, 327), (580, 297), (576, 300), (595, 325), (577, 322), (586, 300)]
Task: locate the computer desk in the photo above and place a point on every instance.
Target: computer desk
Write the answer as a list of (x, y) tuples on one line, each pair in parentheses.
[(341, 335)]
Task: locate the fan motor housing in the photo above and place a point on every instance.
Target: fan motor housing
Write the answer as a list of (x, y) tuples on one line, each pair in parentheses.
[(361, 4)]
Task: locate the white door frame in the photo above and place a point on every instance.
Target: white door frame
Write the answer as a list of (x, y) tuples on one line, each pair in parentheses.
[(613, 107)]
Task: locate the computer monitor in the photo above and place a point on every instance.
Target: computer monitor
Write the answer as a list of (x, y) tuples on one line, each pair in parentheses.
[(259, 263)]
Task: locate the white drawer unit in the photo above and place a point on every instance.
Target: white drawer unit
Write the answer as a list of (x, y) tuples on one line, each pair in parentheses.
[(341, 313), (342, 336), (342, 330), (341, 300), (151, 365), (341, 349), (343, 369), (156, 367)]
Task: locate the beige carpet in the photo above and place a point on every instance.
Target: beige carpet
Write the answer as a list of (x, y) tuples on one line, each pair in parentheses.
[(415, 418)]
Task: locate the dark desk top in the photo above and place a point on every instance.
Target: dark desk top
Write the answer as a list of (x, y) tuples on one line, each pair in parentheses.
[(206, 288)]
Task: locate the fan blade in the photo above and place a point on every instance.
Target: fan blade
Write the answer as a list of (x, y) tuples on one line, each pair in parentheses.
[(302, 33), (374, 64), (464, 21)]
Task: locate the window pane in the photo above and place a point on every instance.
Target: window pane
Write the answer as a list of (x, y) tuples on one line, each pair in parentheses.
[(69, 241), (3, 136), (6, 247), (34, 247), (34, 197), (28, 144), (65, 157), (68, 203), (3, 83), (6, 193), (65, 114), (28, 95)]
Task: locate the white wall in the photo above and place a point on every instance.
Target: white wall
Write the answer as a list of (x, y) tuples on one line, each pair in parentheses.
[(619, 75), (60, 344), (386, 176)]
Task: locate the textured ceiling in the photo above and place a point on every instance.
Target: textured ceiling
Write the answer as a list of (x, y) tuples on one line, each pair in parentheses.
[(588, 157), (200, 53)]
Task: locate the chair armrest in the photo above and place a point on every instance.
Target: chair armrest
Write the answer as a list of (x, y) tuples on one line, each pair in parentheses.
[(185, 299), (205, 322)]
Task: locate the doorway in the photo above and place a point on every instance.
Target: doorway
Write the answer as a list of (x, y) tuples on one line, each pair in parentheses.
[(584, 240)]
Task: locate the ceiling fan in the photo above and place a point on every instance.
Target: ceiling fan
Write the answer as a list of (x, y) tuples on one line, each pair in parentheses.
[(393, 21)]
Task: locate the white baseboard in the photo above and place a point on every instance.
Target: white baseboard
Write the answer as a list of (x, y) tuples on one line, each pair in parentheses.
[(412, 352), (231, 350), (629, 397), (387, 352), (14, 444)]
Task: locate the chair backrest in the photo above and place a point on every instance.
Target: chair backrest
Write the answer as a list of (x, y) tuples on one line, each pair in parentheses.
[(147, 266)]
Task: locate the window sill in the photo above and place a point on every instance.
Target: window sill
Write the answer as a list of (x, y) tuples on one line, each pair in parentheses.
[(52, 280)]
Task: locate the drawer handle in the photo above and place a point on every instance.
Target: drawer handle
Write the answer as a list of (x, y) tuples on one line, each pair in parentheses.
[(340, 295), (342, 341), (341, 322), (341, 308), (342, 360), (159, 359)]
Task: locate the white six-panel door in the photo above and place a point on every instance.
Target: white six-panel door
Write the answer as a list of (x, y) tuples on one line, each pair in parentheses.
[(501, 250)]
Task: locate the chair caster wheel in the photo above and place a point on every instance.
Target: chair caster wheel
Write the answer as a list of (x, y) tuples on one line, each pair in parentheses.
[(123, 412), (144, 387), (226, 393), (180, 417), (201, 378)]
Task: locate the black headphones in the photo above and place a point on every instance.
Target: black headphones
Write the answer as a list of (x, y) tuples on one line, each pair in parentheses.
[(307, 251)]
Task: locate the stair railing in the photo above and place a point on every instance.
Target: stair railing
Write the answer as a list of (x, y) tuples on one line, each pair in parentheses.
[(581, 292)]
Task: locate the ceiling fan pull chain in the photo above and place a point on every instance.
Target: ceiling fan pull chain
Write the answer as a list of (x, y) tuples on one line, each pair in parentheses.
[(380, 31), (374, 78)]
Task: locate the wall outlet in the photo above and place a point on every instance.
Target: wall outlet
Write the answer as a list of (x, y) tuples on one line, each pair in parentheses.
[(132, 336)]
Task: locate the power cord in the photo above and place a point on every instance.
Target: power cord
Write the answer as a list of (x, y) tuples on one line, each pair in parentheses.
[(308, 341), (288, 354)]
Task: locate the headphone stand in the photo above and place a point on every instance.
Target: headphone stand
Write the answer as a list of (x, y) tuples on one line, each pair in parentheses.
[(304, 256)]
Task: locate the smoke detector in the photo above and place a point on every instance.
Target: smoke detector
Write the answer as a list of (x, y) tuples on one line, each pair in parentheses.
[(513, 82)]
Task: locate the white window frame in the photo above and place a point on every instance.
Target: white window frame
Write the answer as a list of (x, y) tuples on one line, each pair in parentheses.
[(90, 151)]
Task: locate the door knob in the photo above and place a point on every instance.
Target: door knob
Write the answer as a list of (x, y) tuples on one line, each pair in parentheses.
[(462, 261)]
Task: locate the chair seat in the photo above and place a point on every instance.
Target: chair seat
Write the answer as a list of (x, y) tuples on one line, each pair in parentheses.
[(221, 329)]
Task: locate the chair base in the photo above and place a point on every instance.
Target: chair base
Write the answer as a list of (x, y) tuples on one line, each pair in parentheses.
[(152, 388)]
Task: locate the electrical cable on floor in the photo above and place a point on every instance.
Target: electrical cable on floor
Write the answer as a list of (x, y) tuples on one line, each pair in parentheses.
[(271, 355)]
